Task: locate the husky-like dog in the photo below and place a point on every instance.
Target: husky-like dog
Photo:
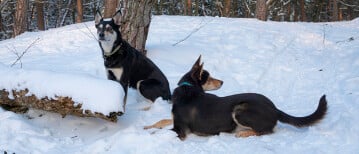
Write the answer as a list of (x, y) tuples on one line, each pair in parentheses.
[(195, 111), (127, 65)]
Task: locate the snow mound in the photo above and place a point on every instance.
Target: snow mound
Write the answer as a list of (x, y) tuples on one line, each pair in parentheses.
[(97, 95)]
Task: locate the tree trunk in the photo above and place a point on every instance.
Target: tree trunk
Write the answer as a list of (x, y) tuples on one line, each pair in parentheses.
[(136, 19), (40, 14), (227, 8), (289, 12), (303, 16), (261, 10), (62, 105), (20, 23), (235, 7), (189, 7), (335, 11), (296, 10), (110, 8), (79, 10)]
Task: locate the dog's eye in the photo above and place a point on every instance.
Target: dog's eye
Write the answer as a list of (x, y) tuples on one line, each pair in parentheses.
[(108, 29)]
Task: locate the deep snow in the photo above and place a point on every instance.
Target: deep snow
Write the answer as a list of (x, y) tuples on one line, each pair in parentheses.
[(291, 63)]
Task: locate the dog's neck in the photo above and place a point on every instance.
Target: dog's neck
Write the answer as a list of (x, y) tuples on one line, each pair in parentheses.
[(185, 83), (109, 51)]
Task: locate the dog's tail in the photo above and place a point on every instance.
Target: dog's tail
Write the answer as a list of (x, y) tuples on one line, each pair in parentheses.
[(311, 119)]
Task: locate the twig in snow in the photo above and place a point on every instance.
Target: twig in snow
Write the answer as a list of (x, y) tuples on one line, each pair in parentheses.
[(93, 35), (90, 36), (23, 53), (194, 31), (324, 34), (346, 40)]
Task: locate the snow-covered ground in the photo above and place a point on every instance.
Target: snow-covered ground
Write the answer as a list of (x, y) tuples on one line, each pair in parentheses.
[(291, 63)]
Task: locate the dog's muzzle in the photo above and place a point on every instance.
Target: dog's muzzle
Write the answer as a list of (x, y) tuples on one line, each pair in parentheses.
[(101, 36)]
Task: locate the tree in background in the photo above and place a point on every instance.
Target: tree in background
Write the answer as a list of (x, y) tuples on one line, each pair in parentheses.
[(110, 8), (20, 23), (136, 18), (46, 14), (40, 14), (261, 10), (79, 11)]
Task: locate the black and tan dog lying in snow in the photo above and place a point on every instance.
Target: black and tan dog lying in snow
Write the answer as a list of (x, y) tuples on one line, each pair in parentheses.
[(201, 113)]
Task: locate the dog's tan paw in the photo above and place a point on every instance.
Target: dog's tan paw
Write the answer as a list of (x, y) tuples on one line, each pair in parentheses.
[(246, 133), (160, 124)]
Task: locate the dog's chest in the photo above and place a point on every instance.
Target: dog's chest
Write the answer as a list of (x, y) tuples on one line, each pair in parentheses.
[(117, 72)]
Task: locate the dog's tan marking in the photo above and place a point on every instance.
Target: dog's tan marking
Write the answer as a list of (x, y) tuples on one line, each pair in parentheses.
[(212, 84), (160, 124), (246, 133)]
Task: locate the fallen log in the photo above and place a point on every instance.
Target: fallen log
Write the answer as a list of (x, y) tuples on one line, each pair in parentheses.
[(67, 94), (63, 105)]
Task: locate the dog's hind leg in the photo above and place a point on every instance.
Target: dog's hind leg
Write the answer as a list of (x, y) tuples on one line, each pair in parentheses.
[(246, 133), (150, 89), (160, 124)]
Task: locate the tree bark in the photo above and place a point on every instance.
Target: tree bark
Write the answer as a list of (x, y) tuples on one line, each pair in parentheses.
[(62, 105), (110, 8), (303, 16), (40, 14), (261, 10), (20, 23), (79, 11), (227, 8), (136, 19), (189, 7), (335, 11)]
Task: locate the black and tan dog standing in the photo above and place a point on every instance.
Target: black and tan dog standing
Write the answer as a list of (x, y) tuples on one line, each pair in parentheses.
[(201, 113)]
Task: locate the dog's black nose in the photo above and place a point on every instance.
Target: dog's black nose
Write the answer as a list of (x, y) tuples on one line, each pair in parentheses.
[(101, 35)]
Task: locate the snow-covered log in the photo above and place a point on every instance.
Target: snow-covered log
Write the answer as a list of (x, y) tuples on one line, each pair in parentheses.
[(80, 95)]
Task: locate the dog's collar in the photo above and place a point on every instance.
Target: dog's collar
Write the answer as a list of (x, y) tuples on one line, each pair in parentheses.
[(113, 51), (185, 83)]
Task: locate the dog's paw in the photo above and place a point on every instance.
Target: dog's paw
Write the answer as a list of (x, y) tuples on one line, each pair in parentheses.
[(246, 133)]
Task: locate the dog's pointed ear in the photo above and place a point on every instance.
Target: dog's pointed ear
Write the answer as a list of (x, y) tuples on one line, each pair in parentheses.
[(197, 72), (98, 17), (117, 18), (197, 63)]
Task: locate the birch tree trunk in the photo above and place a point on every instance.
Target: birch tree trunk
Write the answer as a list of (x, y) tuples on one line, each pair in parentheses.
[(136, 19), (20, 23)]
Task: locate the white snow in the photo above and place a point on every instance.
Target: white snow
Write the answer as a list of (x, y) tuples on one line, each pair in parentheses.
[(291, 63), (83, 89)]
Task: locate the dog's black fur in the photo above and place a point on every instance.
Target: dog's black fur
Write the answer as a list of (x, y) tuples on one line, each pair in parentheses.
[(207, 114), (135, 69)]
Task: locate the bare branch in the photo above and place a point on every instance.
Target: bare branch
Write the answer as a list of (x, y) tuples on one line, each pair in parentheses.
[(194, 31), (23, 53), (3, 3)]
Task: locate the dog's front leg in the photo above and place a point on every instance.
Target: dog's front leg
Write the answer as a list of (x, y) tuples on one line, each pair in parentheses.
[(125, 89)]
